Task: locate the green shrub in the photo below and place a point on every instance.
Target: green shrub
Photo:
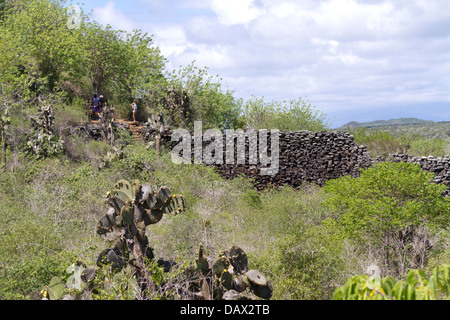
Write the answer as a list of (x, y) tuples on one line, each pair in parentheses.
[(379, 143), (252, 198), (307, 263), (31, 254), (389, 207), (425, 147), (416, 286), (293, 115)]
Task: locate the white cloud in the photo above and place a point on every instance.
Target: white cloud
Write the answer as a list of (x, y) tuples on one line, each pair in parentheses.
[(171, 40), (114, 17), (232, 12)]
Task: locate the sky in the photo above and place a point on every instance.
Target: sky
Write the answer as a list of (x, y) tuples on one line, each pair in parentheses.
[(353, 60)]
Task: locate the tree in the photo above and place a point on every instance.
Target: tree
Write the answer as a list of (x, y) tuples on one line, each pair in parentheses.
[(40, 50), (144, 65), (103, 56), (392, 207), (215, 106)]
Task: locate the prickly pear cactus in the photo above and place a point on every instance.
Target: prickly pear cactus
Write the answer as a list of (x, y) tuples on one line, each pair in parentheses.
[(42, 141), (259, 284), (201, 264), (78, 278), (136, 206), (75, 272), (156, 124), (238, 259), (116, 153), (230, 277), (133, 207)]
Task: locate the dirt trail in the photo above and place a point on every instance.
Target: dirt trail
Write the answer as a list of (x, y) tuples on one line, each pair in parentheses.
[(135, 128)]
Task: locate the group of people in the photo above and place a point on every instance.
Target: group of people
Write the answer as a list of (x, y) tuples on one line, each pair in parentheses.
[(97, 104)]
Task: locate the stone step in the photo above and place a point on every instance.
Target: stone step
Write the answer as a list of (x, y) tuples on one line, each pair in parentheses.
[(135, 128)]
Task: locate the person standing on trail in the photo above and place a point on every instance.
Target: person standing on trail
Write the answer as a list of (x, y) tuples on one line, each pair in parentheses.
[(101, 104), (134, 109), (95, 102)]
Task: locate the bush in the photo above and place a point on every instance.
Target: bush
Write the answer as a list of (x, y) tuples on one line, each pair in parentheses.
[(425, 147), (308, 263), (293, 115), (379, 143), (393, 208), (416, 286), (31, 254)]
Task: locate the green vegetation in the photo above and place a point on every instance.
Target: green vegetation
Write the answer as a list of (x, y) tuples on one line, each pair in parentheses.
[(388, 123), (50, 208), (418, 141), (395, 208), (416, 286), (306, 242), (291, 115)]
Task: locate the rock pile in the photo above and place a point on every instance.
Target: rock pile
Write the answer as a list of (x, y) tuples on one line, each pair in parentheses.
[(91, 131)]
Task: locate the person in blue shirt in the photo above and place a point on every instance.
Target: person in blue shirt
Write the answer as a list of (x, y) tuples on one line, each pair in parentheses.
[(95, 106)]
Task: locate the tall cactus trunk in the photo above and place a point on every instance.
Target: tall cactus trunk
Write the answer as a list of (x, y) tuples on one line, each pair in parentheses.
[(147, 286), (3, 138)]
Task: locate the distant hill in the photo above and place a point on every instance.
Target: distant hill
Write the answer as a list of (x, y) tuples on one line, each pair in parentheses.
[(387, 123), (405, 126)]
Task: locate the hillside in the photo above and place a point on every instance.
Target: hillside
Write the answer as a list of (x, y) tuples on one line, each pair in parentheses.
[(404, 127), (391, 122)]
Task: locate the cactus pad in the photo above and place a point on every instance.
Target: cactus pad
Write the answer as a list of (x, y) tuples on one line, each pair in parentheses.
[(259, 284), (127, 213), (144, 193), (238, 259), (114, 258), (201, 264), (55, 288), (226, 280), (162, 196), (239, 284), (116, 203), (152, 216), (74, 281), (175, 205), (88, 275), (124, 191), (220, 265)]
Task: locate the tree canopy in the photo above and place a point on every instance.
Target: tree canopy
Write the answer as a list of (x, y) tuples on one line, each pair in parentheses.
[(42, 54)]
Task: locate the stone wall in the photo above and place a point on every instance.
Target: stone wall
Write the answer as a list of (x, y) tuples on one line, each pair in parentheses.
[(308, 157), (317, 157), (303, 156)]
